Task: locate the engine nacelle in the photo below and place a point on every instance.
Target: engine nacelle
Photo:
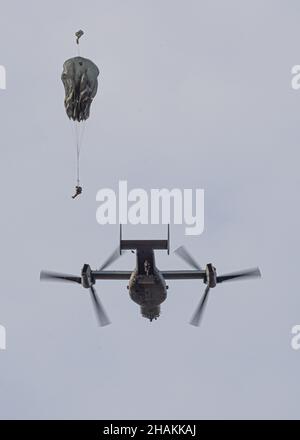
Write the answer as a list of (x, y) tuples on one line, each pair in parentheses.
[(86, 276), (211, 275)]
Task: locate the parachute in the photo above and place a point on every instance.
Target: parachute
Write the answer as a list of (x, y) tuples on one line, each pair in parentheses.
[(79, 77), (80, 80)]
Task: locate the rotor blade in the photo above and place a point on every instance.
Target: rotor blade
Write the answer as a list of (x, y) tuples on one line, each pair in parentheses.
[(200, 309), (113, 257), (184, 254), (250, 273), (54, 276), (99, 309)]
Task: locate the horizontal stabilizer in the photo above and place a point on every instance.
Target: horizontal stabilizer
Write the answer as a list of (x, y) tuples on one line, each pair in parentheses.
[(138, 244), (149, 244)]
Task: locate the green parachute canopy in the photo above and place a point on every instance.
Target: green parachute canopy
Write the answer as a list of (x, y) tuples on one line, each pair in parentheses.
[(80, 81)]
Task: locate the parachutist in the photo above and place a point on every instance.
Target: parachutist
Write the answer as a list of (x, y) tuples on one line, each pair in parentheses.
[(78, 190)]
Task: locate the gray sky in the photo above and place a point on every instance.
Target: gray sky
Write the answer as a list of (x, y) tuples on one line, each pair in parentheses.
[(193, 94)]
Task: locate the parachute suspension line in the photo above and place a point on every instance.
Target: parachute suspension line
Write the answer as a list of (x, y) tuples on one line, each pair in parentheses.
[(76, 141), (77, 155), (79, 132)]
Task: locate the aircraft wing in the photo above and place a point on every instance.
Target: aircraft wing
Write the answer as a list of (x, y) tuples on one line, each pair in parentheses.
[(183, 274), (167, 274)]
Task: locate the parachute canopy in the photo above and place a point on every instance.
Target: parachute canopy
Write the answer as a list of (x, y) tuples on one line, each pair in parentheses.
[(79, 77)]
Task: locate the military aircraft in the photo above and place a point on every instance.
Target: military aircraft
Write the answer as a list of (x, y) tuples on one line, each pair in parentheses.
[(146, 283)]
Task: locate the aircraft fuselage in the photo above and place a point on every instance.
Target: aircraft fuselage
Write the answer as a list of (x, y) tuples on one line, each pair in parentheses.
[(147, 286)]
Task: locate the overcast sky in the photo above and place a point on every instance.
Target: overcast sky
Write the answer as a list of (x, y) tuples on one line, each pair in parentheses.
[(192, 94)]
